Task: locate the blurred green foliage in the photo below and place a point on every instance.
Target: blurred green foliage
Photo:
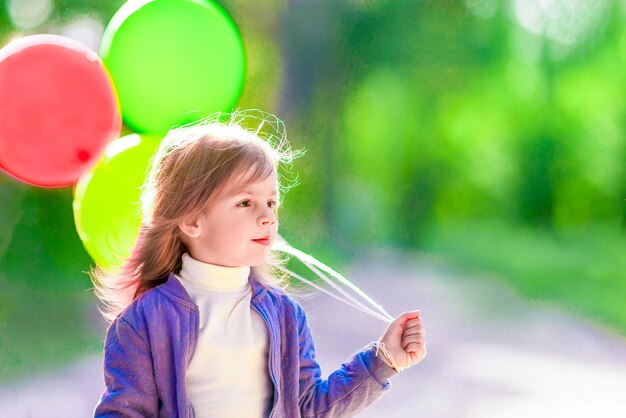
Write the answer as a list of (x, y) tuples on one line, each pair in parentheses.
[(582, 270), (451, 126)]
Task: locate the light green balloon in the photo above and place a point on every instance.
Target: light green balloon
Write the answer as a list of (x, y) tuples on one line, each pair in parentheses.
[(173, 62), (107, 199)]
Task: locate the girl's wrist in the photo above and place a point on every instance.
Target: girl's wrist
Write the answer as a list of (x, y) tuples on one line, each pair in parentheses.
[(386, 356)]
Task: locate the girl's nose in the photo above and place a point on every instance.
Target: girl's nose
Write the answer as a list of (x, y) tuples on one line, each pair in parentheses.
[(268, 218)]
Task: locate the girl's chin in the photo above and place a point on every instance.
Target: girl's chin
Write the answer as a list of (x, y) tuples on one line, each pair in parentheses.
[(257, 261)]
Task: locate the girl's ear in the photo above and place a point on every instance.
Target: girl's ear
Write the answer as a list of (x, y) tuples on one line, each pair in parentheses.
[(190, 227)]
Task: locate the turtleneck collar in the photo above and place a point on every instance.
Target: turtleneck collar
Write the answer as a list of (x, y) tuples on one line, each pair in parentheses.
[(213, 277)]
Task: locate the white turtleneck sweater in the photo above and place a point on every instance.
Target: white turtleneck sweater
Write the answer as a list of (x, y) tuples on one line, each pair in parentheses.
[(228, 374)]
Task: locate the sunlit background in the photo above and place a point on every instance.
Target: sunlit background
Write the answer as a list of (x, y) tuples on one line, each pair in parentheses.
[(487, 135)]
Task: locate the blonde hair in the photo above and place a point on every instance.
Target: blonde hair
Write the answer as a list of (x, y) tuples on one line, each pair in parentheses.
[(192, 167)]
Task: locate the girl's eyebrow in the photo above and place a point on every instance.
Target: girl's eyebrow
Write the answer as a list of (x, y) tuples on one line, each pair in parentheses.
[(250, 192)]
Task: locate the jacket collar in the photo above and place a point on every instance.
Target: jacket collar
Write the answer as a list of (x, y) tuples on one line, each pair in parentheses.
[(174, 288)]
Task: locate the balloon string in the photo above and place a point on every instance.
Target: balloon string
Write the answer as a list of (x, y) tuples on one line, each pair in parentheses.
[(321, 289), (301, 255), (283, 246), (335, 286), (309, 260)]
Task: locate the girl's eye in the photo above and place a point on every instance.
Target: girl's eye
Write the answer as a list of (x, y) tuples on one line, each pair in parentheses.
[(247, 204), (244, 204)]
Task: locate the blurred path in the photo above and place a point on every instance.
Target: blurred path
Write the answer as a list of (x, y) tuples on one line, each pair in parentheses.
[(491, 353)]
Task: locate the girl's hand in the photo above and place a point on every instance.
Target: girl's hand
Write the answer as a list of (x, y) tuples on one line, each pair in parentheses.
[(404, 339)]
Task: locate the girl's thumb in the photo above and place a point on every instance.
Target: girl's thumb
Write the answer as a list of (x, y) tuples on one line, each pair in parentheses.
[(396, 327), (406, 316)]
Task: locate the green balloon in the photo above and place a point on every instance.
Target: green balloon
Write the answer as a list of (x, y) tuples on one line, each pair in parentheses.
[(173, 62), (107, 209)]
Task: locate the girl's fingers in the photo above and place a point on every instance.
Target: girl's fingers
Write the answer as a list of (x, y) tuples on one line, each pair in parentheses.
[(416, 338), (408, 316), (415, 348), (413, 333), (414, 330), (409, 343), (413, 322), (400, 322)]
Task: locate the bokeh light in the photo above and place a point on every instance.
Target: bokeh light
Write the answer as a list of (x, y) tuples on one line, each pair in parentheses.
[(28, 14)]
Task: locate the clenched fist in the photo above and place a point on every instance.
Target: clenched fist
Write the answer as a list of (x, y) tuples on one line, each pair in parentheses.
[(404, 339)]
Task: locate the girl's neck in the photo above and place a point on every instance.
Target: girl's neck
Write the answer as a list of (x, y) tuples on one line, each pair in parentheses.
[(213, 277)]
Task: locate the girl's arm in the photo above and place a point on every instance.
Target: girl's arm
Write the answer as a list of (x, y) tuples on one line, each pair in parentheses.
[(357, 383), (128, 375)]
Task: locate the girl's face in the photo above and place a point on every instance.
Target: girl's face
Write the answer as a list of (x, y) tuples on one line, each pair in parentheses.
[(238, 229)]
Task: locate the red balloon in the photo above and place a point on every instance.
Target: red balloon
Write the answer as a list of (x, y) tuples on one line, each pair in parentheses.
[(58, 110)]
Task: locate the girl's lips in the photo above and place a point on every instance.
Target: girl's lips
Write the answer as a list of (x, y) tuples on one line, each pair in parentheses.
[(262, 241)]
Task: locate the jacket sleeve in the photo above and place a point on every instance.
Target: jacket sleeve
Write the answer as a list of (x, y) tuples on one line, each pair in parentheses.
[(128, 374), (358, 382)]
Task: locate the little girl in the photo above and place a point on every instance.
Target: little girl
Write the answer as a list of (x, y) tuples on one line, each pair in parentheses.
[(201, 324)]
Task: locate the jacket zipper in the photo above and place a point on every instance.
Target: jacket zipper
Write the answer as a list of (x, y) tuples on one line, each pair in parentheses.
[(269, 362), (195, 343), (193, 351)]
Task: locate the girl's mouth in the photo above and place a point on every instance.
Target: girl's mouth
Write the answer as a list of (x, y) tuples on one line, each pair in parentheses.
[(264, 241)]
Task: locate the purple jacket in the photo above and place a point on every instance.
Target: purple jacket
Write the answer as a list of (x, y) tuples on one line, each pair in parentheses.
[(149, 345)]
